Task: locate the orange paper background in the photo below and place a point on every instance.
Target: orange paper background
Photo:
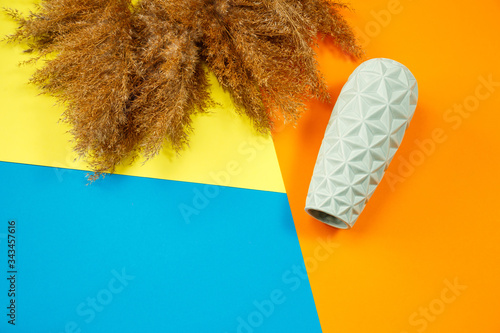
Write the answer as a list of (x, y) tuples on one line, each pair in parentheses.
[(433, 221)]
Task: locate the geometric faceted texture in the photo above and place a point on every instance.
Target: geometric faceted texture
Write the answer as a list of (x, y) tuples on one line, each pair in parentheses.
[(366, 127)]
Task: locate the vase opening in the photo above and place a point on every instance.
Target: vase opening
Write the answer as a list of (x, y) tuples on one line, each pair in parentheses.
[(328, 219)]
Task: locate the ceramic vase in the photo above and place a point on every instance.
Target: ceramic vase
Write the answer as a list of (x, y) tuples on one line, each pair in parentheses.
[(365, 129)]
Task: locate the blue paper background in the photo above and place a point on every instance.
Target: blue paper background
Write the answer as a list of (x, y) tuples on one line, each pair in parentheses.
[(217, 268)]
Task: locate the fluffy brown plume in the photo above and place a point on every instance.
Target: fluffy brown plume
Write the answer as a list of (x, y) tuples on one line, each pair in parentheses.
[(171, 83), (131, 76), (91, 63)]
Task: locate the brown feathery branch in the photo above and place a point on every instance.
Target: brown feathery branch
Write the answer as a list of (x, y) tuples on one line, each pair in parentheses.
[(131, 76)]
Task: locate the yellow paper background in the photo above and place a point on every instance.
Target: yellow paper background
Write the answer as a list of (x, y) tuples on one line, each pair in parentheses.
[(224, 147)]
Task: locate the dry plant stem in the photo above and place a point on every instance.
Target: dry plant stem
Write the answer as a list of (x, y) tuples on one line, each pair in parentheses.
[(90, 72), (172, 84), (131, 77)]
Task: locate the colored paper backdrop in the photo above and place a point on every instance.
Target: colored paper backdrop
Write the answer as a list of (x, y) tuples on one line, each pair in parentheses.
[(202, 242), (424, 255)]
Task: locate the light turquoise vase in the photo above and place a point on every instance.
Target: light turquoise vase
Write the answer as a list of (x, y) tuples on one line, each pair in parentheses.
[(366, 128)]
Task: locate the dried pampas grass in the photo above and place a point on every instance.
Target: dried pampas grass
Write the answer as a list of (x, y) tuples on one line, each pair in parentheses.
[(131, 76)]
